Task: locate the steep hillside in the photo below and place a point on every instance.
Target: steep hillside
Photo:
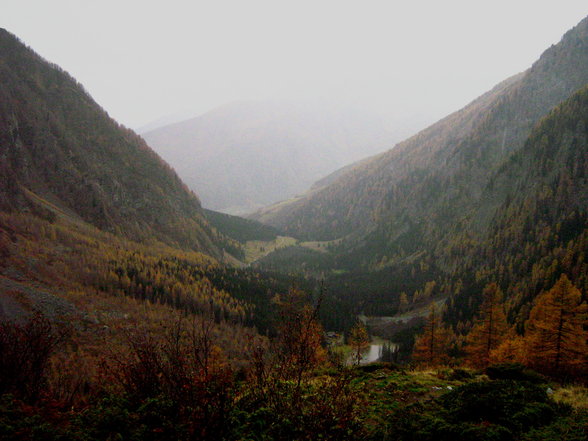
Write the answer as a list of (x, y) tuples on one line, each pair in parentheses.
[(535, 211), (238, 228), (61, 153), (540, 230), (410, 198), (245, 155)]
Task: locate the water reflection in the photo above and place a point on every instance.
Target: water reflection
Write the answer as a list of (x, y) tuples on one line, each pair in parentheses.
[(375, 352)]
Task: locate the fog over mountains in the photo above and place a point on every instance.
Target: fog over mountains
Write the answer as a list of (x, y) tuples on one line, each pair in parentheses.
[(409, 198), (250, 154), (434, 289)]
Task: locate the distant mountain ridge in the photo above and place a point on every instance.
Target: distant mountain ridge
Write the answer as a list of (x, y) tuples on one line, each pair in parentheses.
[(60, 152), (248, 154), (413, 197)]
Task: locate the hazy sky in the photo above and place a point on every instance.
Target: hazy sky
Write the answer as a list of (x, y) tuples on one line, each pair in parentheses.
[(142, 60)]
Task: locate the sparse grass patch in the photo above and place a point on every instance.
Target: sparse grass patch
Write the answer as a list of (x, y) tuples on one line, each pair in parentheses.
[(437, 378), (575, 396)]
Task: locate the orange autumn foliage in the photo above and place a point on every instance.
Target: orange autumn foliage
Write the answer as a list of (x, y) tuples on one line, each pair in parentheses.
[(489, 330), (511, 350), (300, 335), (557, 332), (432, 347)]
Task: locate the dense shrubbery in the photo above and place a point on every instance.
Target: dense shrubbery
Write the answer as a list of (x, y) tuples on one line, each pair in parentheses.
[(501, 410), (331, 406), (513, 371), (176, 384), (25, 357)]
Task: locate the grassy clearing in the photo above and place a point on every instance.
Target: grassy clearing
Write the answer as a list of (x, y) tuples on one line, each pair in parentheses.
[(320, 246), (256, 249)]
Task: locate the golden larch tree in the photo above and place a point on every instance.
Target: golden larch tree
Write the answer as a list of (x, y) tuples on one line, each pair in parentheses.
[(490, 328), (556, 332), (300, 336), (511, 350), (358, 340), (432, 346)]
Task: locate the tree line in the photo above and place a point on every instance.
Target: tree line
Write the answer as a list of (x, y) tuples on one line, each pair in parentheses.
[(554, 339)]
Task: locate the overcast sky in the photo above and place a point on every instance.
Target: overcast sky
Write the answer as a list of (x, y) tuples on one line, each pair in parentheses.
[(142, 60)]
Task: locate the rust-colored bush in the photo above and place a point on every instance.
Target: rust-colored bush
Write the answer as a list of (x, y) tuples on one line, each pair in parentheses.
[(25, 353)]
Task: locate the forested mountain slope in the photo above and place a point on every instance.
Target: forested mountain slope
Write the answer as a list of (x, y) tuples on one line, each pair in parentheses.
[(536, 231), (248, 154), (413, 197), (540, 230), (60, 152), (95, 227)]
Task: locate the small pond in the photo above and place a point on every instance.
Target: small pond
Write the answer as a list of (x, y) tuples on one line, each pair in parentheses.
[(374, 351)]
